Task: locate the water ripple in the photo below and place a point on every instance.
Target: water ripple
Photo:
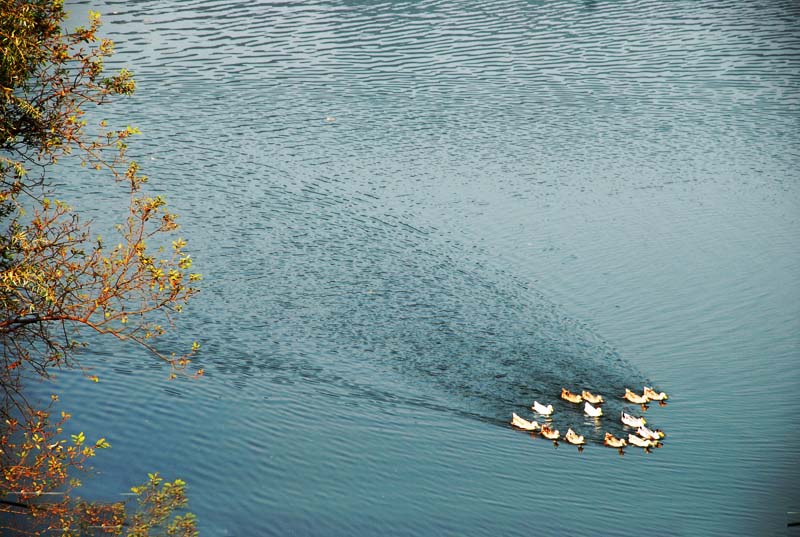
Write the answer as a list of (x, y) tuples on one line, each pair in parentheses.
[(495, 173)]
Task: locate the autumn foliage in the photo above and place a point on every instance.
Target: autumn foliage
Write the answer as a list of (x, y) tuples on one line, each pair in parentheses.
[(57, 278)]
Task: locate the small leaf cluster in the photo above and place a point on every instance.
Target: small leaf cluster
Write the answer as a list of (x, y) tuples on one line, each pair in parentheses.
[(158, 501), (36, 462)]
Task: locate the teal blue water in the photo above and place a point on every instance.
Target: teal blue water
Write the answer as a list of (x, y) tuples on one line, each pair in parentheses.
[(415, 218)]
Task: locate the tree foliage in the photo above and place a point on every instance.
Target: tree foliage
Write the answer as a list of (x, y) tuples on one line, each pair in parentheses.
[(57, 279)]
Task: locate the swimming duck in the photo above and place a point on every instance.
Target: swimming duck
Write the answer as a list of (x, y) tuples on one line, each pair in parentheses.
[(594, 399), (569, 396), (541, 409), (644, 432), (550, 434), (651, 394), (636, 398), (574, 438), (593, 411), (613, 441), (639, 442), (522, 423), (633, 421)]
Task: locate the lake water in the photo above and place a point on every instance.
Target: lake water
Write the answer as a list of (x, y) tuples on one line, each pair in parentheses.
[(414, 218)]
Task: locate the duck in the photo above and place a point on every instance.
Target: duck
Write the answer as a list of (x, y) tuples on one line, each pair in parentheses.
[(550, 434), (541, 409), (613, 441), (642, 442), (522, 423), (644, 432), (571, 397), (574, 438), (636, 398), (632, 421), (651, 394), (639, 441), (594, 399), (593, 411)]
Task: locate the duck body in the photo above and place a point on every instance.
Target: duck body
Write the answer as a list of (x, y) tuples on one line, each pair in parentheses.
[(593, 411), (644, 432), (639, 441), (613, 441), (594, 399), (653, 395), (574, 438), (632, 421), (550, 434), (541, 409), (522, 423), (571, 397), (635, 397)]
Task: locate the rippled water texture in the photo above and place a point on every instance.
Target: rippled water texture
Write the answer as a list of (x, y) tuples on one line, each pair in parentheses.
[(414, 218)]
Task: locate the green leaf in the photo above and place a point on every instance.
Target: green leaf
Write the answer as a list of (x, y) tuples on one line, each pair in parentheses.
[(78, 439)]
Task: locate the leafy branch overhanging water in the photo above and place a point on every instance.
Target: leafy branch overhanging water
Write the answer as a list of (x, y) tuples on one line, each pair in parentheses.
[(58, 280)]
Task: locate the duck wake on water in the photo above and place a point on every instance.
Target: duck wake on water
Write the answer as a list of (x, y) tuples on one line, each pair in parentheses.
[(489, 348), (378, 298)]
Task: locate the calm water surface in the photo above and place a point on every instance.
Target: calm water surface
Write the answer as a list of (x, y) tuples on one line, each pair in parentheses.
[(514, 196)]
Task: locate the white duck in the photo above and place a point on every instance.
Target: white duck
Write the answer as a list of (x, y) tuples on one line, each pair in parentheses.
[(638, 441), (541, 409), (644, 432), (522, 423), (633, 421), (593, 411)]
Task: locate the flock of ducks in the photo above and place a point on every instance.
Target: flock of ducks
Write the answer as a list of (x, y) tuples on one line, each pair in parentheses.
[(644, 438)]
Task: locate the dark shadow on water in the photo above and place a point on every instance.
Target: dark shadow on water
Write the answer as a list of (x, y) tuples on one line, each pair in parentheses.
[(337, 289)]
